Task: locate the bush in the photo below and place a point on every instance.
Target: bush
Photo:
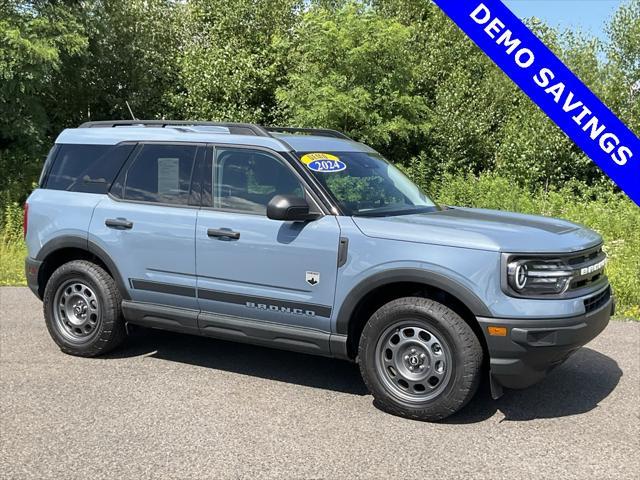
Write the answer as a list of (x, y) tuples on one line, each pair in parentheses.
[(11, 223)]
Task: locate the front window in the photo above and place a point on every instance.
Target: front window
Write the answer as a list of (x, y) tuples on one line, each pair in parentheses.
[(246, 180), (365, 184)]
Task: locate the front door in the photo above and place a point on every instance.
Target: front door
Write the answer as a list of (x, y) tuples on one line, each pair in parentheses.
[(255, 268), (147, 225)]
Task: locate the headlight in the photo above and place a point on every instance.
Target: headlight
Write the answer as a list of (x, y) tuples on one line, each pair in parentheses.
[(560, 275), (539, 277)]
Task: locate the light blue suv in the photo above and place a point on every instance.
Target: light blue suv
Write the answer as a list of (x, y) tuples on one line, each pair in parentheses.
[(305, 240)]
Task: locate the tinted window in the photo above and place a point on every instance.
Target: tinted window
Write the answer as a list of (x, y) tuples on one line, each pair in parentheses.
[(86, 168), (161, 173), (247, 180)]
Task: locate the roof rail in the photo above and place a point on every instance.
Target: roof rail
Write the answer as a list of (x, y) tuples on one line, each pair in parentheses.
[(323, 132), (234, 128)]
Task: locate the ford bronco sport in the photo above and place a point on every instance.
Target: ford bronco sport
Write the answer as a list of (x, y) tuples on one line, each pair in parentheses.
[(306, 240)]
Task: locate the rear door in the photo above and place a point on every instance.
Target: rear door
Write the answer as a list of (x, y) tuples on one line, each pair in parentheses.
[(252, 267), (147, 224)]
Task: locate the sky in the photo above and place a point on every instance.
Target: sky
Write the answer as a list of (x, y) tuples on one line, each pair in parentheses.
[(588, 15)]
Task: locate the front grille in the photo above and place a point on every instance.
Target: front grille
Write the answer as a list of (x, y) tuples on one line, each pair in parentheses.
[(597, 301), (582, 260), (585, 281), (587, 256)]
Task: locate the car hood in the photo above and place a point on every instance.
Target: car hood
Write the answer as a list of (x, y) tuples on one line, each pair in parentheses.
[(482, 229)]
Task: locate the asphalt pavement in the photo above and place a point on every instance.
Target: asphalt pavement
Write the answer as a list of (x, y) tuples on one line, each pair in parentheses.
[(174, 406)]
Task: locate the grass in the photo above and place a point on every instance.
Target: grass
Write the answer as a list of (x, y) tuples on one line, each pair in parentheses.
[(12, 254), (613, 215)]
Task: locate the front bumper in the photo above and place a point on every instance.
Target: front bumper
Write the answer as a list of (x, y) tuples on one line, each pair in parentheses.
[(32, 271), (533, 347)]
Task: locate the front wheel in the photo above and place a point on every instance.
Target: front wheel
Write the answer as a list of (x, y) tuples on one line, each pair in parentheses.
[(420, 359)]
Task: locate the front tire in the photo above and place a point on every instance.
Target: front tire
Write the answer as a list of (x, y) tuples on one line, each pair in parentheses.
[(82, 309), (419, 359)]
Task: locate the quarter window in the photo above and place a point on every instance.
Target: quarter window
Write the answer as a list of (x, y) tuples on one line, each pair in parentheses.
[(161, 173), (86, 168), (246, 180)]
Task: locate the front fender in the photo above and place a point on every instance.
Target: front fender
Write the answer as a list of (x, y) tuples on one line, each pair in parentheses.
[(395, 274)]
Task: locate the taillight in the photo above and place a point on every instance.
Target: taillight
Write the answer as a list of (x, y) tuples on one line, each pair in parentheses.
[(25, 219)]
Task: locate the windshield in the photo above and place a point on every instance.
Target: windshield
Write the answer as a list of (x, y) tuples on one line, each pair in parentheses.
[(365, 184)]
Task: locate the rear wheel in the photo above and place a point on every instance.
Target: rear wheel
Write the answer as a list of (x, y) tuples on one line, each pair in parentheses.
[(419, 359), (82, 309)]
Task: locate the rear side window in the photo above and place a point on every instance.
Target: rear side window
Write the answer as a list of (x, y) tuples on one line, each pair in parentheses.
[(160, 173), (86, 168)]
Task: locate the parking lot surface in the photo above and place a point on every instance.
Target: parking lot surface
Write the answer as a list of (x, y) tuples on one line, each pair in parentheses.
[(173, 406)]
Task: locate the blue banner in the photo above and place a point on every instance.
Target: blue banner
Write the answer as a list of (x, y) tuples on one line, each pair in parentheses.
[(552, 86)]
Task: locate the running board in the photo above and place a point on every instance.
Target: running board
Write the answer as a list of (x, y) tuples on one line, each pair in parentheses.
[(226, 327)]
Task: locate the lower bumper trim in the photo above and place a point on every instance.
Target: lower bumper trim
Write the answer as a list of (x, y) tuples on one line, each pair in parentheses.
[(533, 347), (32, 271)]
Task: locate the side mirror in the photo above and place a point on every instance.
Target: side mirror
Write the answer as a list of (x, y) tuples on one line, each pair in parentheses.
[(289, 208)]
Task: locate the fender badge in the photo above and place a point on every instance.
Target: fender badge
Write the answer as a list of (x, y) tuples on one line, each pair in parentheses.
[(312, 278)]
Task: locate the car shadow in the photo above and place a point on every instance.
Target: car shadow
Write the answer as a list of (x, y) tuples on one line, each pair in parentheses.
[(272, 364), (573, 388)]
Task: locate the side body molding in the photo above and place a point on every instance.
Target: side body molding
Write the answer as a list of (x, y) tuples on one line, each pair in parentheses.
[(396, 275), (76, 241)]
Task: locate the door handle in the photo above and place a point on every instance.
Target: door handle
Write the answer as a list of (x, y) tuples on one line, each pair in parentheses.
[(119, 223), (223, 233)]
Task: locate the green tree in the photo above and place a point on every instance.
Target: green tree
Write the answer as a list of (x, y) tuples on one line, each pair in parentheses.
[(397, 74), (481, 121), (230, 65), (353, 69), (132, 53), (34, 37)]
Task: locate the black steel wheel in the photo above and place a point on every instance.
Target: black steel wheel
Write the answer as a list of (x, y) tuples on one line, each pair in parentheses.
[(78, 313), (413, 362)]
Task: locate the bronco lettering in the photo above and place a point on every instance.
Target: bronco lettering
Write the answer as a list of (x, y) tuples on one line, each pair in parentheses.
[(277, 308)]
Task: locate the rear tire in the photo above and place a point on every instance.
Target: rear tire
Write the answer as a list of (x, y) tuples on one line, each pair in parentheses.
[(82, 309), (419, 359)]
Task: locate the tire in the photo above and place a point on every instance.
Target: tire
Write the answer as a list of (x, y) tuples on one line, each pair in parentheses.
[(82, 309), (427, 346)]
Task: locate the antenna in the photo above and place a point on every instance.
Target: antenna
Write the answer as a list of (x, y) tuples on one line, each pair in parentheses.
[(133, 117)]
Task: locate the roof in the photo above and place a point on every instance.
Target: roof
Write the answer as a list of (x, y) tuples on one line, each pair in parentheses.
[(280, 139)]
